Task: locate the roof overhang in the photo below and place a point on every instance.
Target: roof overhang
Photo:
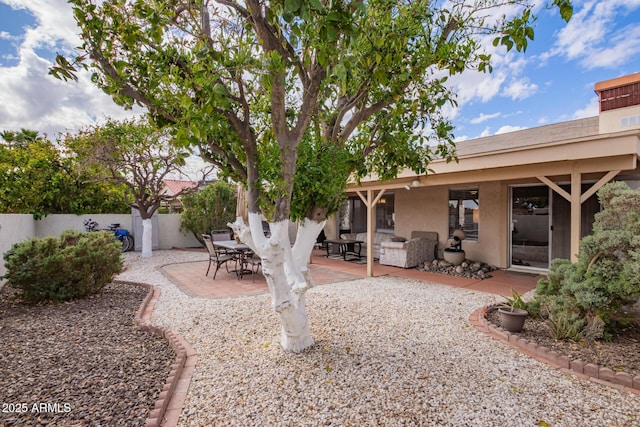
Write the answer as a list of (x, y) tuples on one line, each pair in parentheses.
[(594, 154)]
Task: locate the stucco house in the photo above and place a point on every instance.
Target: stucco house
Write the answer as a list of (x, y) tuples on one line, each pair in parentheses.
[(523, 198)]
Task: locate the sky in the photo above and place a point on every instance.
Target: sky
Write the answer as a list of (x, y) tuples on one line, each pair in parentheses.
[(551, 82)]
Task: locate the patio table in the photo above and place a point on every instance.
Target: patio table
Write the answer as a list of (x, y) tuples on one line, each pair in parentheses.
[(243, 251)]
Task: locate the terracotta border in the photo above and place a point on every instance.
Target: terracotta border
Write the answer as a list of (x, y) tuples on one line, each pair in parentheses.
[(578, 368), (170, 403)]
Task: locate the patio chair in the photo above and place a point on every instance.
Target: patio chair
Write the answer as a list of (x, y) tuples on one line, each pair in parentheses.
[(218, 256), (254, 263)]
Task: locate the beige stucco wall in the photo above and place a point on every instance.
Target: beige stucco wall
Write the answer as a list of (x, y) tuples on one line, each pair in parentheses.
[(426, 209), (422, 209), (610, 120)]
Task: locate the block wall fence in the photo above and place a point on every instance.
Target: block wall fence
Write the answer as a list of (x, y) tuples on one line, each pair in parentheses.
[(15, 228)]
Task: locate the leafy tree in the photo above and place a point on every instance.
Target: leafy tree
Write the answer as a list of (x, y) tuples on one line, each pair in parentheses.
[(137, 156), (37, 178), (607, 274), (291, 97), (208, 209)]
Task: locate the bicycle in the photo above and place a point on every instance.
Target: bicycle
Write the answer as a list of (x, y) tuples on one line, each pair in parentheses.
[(121, 234)]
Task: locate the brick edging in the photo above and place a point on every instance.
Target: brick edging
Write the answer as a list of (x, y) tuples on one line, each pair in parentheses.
[(142, 321), (587, 371)]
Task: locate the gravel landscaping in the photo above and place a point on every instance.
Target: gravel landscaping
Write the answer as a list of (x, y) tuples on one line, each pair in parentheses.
[(80, 363), (390, 352)]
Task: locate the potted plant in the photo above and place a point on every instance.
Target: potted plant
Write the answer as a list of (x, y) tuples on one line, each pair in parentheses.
[(513, 313)]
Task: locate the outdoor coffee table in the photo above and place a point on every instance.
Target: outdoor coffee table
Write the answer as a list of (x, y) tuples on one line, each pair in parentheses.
[(347, 247)]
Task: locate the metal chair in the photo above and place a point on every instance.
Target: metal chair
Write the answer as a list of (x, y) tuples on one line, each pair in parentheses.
[(218, 257), (255, 262)]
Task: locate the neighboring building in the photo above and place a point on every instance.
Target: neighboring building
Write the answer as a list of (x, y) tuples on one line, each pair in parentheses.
[(172, 187), (523, 197)]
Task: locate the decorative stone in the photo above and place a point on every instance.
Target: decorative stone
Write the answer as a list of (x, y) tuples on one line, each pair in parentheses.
[(468, 268)]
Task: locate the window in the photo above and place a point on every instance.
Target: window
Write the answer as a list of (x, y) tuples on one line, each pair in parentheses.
[(385, 217), (464, 212), (353, 215)]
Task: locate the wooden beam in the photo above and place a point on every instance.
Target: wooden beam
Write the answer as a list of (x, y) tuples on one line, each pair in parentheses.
[(595, 187), (555, 187)]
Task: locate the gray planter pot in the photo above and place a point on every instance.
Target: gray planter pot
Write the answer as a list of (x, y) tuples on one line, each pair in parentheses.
[(453, 257), (512, 319)]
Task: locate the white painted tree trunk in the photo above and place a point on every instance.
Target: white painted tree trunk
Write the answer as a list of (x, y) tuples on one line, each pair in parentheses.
[(147, 234), (286, 271)]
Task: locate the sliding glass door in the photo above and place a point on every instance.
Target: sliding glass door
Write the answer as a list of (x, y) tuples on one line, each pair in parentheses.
[(530, 226)]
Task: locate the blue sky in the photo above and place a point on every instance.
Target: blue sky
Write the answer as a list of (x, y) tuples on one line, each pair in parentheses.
[(552, 82)]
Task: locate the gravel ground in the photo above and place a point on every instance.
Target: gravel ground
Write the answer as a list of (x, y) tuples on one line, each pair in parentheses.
[(80, 363), (389, 351)]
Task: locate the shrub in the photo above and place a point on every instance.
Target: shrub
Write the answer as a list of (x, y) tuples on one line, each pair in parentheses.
[(208, 209), (591, 292), (71, 266)]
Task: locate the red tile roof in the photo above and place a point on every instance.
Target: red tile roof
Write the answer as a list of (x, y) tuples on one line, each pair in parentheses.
[(175, 186)]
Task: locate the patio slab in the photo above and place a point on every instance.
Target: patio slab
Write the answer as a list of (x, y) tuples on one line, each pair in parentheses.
[(190, 278)]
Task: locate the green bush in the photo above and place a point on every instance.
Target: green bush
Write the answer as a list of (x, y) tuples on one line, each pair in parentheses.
[(590, 293), (71, 266), (209, 209)]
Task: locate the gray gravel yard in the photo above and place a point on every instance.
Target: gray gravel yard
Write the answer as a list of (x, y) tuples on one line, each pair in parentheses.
[(390, 352), (80, 363)]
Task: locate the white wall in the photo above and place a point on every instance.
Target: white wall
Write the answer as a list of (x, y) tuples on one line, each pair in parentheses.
[(53, 225), (13, 229), (16, 228), (170, 235)]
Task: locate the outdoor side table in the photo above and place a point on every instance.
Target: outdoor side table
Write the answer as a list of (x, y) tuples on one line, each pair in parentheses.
[(347, 247)]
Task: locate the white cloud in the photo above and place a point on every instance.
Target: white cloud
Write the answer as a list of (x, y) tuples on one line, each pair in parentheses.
[(55, 23), (592, 39), (483, 118), (590, 110), (520, 89), (474, 85), (7, 36), (508, 128), (31, 98)]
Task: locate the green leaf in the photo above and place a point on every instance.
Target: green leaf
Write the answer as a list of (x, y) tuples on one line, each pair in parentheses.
[(292, 6)]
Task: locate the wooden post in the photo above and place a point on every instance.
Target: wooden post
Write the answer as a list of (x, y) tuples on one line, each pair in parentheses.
[(370, 202), (576, 192)]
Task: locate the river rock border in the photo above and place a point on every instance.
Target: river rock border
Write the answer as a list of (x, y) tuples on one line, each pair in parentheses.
[(578, 368), (185, 356)]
